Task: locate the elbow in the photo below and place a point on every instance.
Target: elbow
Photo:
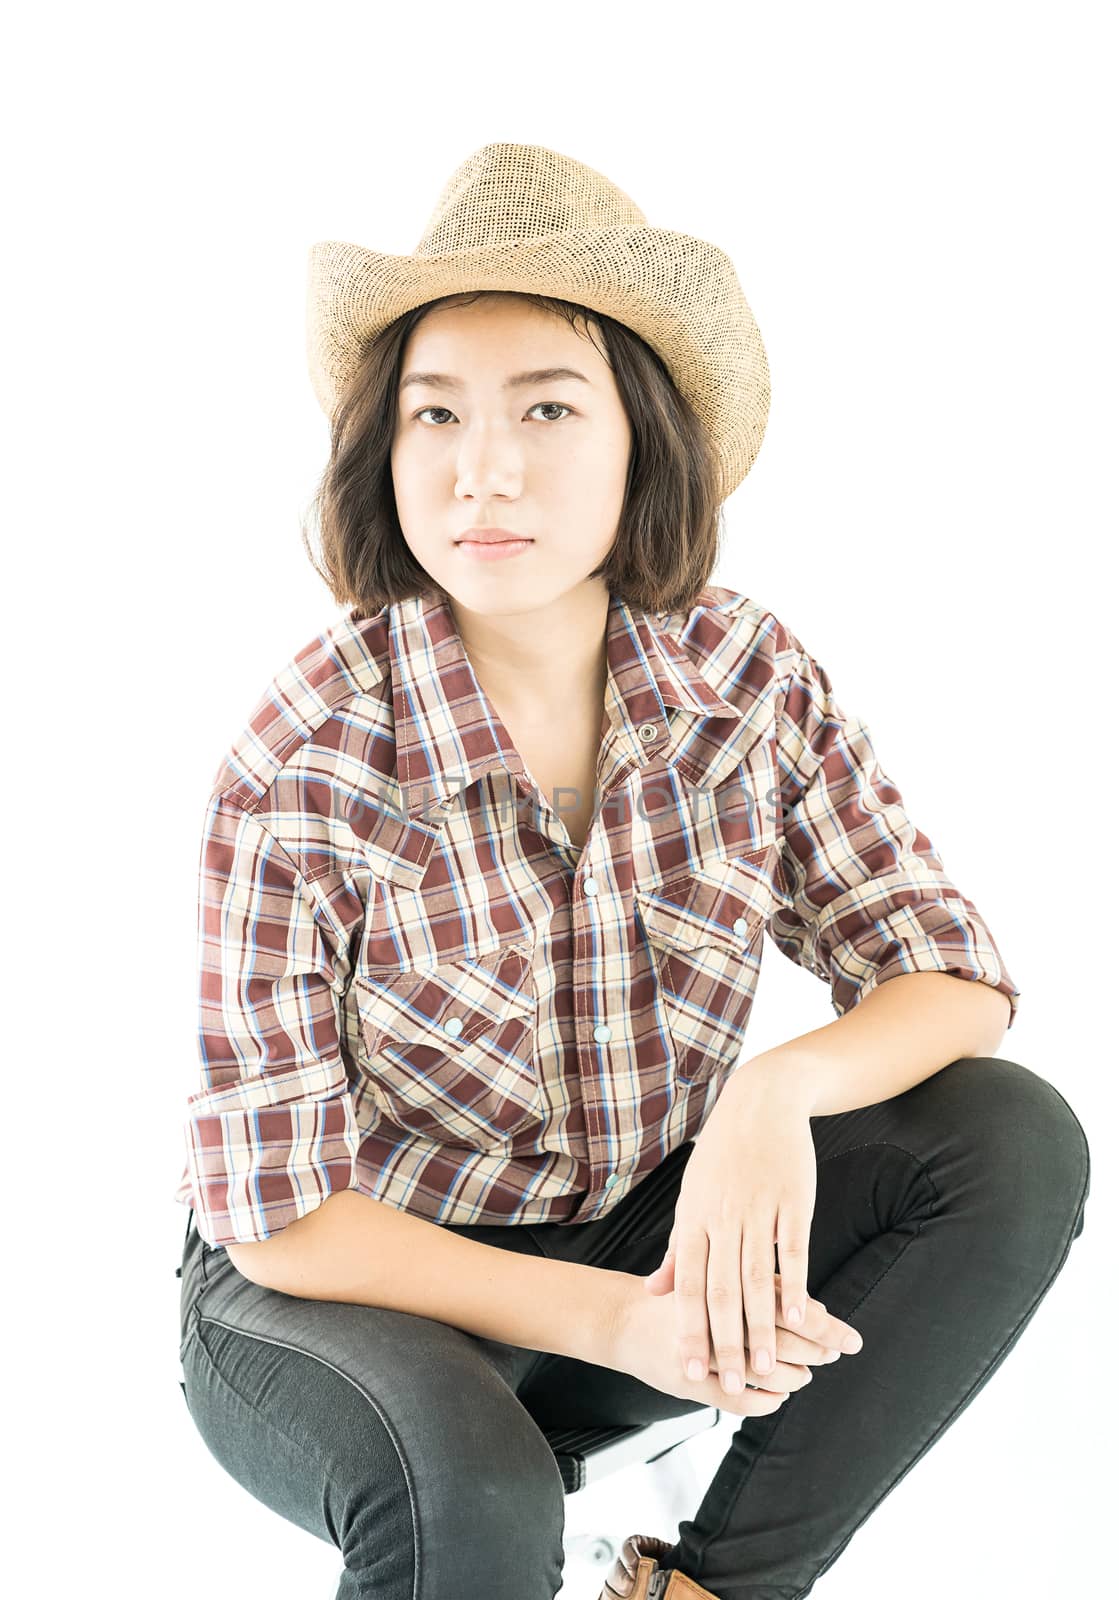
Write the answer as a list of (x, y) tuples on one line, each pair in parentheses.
[(255, 1260), (997, 1012), (279, 1261)]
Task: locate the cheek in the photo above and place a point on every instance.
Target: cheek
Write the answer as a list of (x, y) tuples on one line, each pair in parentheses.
[(605, 487), (418, 493), (594, 528)]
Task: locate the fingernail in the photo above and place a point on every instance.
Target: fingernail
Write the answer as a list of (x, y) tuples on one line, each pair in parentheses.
[(852, 1344), (832, 1355), (794, 1313), (733, 1382), (762, 1362), (695, 1370)]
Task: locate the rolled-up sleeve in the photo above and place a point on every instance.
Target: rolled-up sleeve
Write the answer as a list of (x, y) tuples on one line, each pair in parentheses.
[(271, 1133), (867, 897)]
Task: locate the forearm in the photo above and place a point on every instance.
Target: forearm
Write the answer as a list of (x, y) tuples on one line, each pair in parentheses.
[(898, 1035), (356, 1249)]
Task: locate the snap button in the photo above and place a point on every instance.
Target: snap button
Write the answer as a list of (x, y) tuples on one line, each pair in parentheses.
[(647, 731), (590, 886), (611, 1179), (740, 925), (453, 1025), (602, 1033)]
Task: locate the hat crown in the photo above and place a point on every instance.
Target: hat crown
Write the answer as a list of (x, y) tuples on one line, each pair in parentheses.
[(506, 193), (524, 219)]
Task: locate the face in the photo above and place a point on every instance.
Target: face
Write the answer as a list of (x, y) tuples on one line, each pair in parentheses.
[(544, 459)]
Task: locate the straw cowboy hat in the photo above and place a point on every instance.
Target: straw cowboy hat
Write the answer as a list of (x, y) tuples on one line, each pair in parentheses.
[(522, 217)]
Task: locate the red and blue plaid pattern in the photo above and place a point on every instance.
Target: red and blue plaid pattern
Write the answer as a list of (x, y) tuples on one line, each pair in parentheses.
[(413, 984)]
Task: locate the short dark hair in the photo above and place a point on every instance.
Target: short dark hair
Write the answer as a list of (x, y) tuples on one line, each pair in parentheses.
[(668, 531)]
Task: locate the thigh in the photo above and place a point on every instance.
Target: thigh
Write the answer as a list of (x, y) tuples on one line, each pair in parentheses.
[(397, 1438), (985, 1145), (985, 1135)]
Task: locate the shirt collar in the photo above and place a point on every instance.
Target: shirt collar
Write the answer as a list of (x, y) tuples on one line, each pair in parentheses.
[(448, 733)]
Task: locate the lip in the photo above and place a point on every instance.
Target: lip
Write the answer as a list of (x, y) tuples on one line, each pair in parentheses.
[(491, 536), (494, 550)]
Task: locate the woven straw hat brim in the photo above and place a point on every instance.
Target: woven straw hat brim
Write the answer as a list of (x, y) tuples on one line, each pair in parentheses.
[(678, 293)]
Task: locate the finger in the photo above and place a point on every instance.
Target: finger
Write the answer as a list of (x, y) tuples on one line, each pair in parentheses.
[(750, 1402), (794, 1223), (821, 1327), (758, 1293), (724, 1307), (831, 1332), (691, 1302), (842, 1336), (661, 1279), (784, 1379), (796, 1349)]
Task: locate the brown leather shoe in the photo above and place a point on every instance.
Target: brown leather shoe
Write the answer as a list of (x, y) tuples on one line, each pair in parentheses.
[(638, 1575)]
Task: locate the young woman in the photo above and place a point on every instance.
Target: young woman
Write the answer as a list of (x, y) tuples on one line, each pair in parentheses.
[(477, 1151)]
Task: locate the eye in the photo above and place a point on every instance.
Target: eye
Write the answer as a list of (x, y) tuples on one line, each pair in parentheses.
[(555, 405)]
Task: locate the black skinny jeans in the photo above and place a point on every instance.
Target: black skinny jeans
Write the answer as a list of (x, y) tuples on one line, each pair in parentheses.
[(942, 1217)]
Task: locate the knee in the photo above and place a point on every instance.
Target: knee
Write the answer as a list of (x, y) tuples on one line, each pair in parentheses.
[(512, 1513), (1029, 1147), (467, 1513)]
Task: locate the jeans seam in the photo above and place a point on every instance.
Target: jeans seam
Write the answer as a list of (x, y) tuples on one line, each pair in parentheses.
[(285, 1344)]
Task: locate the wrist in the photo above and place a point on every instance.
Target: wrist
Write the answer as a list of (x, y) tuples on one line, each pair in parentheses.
[(615, 1301), (782, 1074)]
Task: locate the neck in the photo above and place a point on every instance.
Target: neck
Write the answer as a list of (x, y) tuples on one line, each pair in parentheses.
[(552, 659)]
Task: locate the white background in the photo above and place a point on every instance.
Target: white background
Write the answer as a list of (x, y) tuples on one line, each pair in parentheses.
[(919, 203)]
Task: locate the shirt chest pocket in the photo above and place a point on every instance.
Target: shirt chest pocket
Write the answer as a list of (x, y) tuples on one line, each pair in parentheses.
[(450, 1048), (705, 935)]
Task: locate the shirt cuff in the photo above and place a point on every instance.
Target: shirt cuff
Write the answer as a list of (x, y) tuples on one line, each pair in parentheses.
[(253, 1170), (896, 944)]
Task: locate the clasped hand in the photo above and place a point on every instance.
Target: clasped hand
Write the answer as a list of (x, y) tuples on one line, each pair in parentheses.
[(750, 1182)]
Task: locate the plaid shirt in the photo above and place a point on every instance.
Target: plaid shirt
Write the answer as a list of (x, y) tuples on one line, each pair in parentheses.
[(414, 985)]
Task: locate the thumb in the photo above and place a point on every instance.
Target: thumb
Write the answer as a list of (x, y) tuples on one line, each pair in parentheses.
[(659, 1279)]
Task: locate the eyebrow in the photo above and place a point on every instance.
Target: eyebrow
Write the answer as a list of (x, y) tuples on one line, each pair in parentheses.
[(519, 380)]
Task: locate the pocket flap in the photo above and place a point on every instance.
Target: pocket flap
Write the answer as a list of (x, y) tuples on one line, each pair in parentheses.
[(725, 904), (448, 1004)]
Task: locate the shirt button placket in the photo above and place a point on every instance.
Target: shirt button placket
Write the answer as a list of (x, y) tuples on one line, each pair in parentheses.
[(603, 1033)]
